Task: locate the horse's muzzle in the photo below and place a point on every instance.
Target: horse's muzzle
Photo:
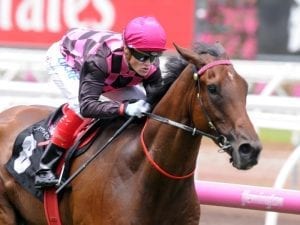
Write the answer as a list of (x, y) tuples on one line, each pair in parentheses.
[(246, 155)]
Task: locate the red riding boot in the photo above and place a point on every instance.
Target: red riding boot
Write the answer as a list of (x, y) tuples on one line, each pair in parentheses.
[(61, 140)]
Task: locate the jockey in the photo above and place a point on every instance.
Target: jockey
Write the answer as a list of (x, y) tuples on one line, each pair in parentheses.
[(86, 64)]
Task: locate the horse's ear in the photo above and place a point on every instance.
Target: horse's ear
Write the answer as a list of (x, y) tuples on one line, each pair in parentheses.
[(221, 49), (189, 55)]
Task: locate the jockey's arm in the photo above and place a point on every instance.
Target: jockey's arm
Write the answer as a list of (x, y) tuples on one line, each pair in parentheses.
[(91, 87)]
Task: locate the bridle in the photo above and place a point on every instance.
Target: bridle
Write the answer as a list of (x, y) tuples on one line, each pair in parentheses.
[(220, 139)]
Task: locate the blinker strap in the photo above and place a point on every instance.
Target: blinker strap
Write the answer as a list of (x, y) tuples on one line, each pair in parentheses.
[(212, 64)]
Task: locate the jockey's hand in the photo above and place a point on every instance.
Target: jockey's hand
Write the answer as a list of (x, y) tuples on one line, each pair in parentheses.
[(137, 108)]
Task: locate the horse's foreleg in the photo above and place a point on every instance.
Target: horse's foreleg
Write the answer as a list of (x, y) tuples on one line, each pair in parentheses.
[(7, 213)]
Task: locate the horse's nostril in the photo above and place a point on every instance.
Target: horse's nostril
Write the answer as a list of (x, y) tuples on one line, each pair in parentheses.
[(245, 149)]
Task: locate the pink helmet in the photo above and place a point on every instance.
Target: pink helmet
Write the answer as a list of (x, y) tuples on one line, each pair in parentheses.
[(145, 34)]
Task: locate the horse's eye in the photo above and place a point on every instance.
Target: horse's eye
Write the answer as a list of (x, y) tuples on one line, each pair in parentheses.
[(212, 89)]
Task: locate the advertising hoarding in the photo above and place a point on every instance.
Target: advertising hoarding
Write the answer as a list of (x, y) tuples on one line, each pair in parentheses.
[(38, 23)]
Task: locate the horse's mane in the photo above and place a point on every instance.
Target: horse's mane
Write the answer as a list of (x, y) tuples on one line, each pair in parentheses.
[(175, 65)]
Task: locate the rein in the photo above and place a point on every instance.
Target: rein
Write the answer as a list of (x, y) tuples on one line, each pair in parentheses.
[(156, 166), (221, 140), (93, 157), (193, 130)]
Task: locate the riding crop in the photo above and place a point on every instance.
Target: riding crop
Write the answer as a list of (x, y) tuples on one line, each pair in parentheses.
[(82, 167)]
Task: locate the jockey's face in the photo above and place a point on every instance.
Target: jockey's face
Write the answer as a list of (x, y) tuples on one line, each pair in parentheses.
[(139, 61)]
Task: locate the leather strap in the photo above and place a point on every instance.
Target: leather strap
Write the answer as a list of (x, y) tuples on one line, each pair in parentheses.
[(212, 64), (51, 207)]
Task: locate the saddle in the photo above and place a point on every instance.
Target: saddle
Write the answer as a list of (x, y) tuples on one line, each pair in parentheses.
[(32, 141), (28, 149)]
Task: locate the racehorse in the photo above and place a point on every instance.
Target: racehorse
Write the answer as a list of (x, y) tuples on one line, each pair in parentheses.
[(145, 176)]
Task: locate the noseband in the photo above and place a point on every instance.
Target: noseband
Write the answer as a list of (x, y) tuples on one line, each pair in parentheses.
[(221, 140)]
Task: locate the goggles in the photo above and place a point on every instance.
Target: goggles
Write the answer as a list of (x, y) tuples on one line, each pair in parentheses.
[(144, 56)]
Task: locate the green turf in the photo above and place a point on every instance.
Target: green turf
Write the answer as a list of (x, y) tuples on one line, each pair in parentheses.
[(270, 135)]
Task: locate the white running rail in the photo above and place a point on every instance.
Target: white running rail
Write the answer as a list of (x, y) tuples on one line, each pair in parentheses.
[(272, 217)]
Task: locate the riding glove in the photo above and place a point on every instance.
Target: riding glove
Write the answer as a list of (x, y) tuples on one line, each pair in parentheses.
[(137, 108)]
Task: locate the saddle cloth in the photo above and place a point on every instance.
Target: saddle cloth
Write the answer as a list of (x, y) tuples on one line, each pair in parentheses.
[(29, 146)]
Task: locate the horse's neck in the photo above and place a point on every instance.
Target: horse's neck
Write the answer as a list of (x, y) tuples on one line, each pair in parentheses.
[(172, 148)]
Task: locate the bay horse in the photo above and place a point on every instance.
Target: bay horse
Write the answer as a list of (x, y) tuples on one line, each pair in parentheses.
[(145, 176)]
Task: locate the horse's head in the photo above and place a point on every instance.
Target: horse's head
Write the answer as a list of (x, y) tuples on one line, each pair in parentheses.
[(219, 104)]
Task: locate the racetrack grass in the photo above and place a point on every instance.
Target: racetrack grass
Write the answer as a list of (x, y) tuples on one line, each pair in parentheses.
[(279, 136)]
